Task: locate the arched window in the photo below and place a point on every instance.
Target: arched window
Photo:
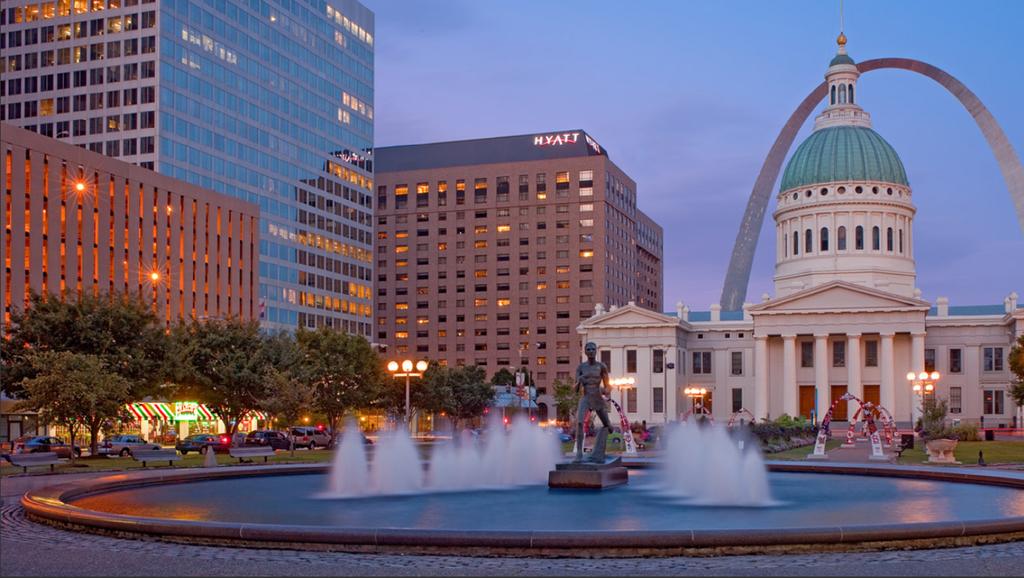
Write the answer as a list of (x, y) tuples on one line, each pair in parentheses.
[(824, 239), (851, 94), (876, 239), (833, 94), (842, 94), (808, 241), (901, 241), (858, 238), (888, 239), (841, 239), (796, 243)]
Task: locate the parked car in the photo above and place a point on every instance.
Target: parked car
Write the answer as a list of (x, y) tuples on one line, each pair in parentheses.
[(202, 443), (168, 438), (275, 439), (37, 444), (309, 437), (122, 445)]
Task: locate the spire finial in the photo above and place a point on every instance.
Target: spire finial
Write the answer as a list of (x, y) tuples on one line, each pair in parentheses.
[(841, 40)]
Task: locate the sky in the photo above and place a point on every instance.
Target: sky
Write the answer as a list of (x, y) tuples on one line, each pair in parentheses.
[(688, 96)]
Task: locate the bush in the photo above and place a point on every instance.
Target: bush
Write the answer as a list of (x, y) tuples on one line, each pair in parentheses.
[(967, 433), (932, 425)]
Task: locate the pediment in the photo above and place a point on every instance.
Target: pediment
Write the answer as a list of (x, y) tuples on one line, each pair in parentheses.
[(840, 296), (630, 315)]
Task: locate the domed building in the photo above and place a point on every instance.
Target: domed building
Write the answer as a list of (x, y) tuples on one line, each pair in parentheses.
[(846, 317)]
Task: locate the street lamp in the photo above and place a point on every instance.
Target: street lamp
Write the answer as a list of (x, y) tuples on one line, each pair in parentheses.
[(623, 384), (407, 372), (921, 384), (696, 395)]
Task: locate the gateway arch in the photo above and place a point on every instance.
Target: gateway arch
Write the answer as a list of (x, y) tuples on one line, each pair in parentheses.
[(734, 291)]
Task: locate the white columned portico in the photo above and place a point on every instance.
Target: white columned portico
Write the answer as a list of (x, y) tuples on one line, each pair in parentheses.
[(917, 366), (789, 401), (853, 364), (887, 381), (760, 377), (821, 384)]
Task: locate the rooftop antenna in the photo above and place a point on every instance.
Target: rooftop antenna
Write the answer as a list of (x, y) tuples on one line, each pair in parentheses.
[(841, 40), (841, 23)]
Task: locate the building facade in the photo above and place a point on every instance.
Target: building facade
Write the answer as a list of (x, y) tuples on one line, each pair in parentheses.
[(80, 222), (267, 102), (846, 317), (490, 251)]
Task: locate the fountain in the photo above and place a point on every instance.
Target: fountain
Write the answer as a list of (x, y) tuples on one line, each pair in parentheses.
[(520, 456), (705, 466)]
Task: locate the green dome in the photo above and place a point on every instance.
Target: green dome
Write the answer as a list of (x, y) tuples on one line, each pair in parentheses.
[(843, 153), (841, 59)]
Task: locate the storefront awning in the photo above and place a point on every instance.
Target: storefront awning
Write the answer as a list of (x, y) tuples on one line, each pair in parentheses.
[(151, 410), (180, 411)]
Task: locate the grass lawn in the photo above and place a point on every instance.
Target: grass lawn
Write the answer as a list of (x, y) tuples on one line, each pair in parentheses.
[(1001, 452), (192, 460), (801, 452)]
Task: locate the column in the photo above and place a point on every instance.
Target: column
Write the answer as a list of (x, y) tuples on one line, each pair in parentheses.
[(887, 383), (671, 384), (853, 365), (760, 409), (917, 366), (917, 352), (789, 401), (821, 384)]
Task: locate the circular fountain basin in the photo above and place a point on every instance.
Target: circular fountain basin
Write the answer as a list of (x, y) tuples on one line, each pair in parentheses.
[(279, 505)]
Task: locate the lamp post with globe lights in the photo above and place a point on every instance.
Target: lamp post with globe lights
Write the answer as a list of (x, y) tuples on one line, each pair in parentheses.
[(922, 384), (405, 369), (696, 395)]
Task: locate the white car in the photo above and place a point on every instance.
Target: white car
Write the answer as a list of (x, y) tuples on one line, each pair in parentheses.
[(309, 437), (122, 445)]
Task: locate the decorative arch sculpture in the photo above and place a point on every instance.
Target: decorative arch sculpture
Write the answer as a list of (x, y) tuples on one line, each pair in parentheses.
[(742, 414), (734, 290), (888, 423), (700, 410)]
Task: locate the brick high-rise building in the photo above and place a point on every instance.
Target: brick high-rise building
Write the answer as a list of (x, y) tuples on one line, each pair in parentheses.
[(491, 251)]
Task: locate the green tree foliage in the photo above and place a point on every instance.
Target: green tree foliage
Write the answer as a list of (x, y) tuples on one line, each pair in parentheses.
[(933, 420), (288, 398), (1017, 368), (343, 371), (121, 330), (567, 399), (74, 390), (462, 393), (503, 377), (224, 364)]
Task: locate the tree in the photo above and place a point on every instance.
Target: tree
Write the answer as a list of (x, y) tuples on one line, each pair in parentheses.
[(567, 399), (120, 329), (343, 371), (471, 394), (503, 377), (462, 393), (74, 390), (1017, 368), (224, 364)]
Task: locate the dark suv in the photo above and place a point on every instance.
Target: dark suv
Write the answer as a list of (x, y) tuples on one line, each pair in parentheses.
[(275, 439)]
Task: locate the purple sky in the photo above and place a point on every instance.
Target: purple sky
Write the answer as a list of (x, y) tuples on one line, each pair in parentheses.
[(688, 97)]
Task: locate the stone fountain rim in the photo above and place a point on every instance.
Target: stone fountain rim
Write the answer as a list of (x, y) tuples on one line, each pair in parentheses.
[(51, 505)]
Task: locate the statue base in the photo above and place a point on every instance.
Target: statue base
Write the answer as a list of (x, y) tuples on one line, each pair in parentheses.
[(589, 475)]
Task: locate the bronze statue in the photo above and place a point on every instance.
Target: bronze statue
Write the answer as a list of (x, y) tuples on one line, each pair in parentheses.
[(592, 377)]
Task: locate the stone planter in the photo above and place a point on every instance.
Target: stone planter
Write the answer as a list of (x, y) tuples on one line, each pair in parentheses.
[(940, 451)]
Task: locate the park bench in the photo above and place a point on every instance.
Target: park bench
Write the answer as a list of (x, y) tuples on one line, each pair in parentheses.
[(26, 461), (155, 456), (252, 452)]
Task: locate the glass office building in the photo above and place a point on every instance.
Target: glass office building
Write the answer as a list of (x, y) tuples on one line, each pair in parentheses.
[(271, 102)]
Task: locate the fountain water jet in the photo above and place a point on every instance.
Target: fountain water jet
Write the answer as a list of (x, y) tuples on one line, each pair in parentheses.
[(704, 464)]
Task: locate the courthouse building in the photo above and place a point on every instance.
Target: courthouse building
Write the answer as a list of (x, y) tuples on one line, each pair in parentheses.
[(846, 316), (491, 251)]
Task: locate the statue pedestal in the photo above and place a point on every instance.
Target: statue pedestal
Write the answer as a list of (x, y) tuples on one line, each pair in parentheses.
[(589, 475)]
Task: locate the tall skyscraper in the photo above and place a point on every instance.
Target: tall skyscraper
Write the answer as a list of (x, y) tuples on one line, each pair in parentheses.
[(491, 251), (270, 102)]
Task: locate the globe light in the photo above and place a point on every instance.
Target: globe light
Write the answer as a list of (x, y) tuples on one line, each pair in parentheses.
[(421, 366), (923, 375), (935, 376), (392, 366), (407, 365), (917, 387), (79, 187), (911, 376), (154, 276), (929, 387)]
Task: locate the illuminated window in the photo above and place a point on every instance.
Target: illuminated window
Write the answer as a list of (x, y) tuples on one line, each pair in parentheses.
[(401, 234), (402, 306), (480, 302), (586, 207), (401, 248), (586, 222), (586, 253), (480, 244), (542, 286), (401, 335), (480, 273), (422, 320), (480, 229), (504, 302), (442, 246), (504, 228)]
